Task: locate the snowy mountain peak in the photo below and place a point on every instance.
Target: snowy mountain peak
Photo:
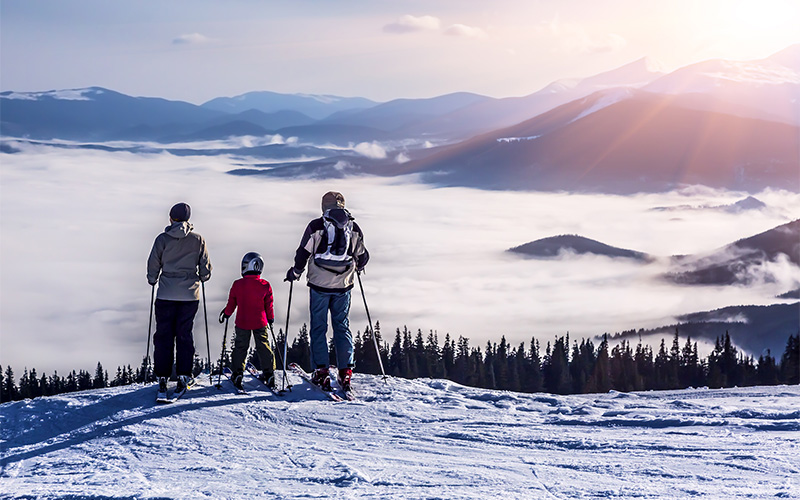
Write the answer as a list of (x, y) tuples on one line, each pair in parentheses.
[(634, 74), (82, 94), (323, 98)]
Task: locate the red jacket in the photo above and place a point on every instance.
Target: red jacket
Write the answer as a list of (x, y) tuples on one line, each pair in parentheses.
[(252, 296)]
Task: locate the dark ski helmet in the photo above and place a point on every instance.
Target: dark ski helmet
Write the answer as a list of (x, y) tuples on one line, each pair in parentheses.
[(252, 263)]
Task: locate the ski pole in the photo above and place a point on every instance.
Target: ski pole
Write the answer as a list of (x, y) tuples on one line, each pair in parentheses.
[(149, 333), (372, 330), (286, 384), (286, 332), (222, 356), (208, 343)]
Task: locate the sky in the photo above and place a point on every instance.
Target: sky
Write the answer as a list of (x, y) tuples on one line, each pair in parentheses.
[(74, 290), (195, 50)]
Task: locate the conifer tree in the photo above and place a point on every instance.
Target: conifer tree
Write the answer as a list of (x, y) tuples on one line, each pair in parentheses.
[(395, 365), (730, 364), (691, 371), (600, 379), (790, 361), (9, 386), (99, 380), (410, 357), (555, 368), (674, 365), (645, 366), (535, 382), (661, 368), (448, 357), (500, 365), (84, 380), (419, 355), (461, 365), (300, 350)]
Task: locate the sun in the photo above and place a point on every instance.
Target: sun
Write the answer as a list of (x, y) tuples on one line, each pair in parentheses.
[(746, 28), (761, 16)]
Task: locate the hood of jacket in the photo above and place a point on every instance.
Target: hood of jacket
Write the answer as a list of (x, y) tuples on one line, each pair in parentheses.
[(179, 229)]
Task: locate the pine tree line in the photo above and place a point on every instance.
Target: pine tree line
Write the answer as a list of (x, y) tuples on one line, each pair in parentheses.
[(561, 368), (32, 385), (564, 367)]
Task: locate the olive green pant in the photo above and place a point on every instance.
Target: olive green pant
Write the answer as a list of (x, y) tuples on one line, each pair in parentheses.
[(241, 343)]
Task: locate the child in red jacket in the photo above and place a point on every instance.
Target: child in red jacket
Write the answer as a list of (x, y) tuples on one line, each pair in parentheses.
[(252, 296)]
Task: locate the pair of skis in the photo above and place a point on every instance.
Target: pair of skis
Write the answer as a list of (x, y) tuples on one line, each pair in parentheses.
[(167, 397), (338, 394), (253, 371)]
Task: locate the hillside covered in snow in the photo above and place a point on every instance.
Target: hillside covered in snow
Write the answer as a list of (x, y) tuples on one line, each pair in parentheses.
[(402, 439)]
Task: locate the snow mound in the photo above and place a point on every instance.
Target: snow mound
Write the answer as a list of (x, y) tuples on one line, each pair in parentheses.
[(402, 439)]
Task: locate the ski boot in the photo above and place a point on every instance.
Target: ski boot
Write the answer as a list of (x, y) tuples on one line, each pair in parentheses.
[(345, 374), (268, 378), (238, 382), (183, 385), (321, 377), (162, 388)]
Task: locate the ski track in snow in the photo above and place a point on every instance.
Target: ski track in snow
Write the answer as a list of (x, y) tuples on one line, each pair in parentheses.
[(405, 439)]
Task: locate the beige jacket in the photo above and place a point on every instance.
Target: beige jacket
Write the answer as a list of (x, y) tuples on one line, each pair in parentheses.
[(178, 262)]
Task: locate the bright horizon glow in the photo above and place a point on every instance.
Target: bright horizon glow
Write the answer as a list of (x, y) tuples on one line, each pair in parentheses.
[(197, 50)]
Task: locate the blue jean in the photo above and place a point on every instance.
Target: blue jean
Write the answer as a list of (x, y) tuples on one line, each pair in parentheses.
[(338, 303)]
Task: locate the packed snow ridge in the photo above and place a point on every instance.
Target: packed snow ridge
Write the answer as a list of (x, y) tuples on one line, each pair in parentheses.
[(403, 439)]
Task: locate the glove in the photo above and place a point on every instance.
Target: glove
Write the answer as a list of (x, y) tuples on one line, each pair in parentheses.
[(223, 316), (152, 283), (271, 322), (292, 274)]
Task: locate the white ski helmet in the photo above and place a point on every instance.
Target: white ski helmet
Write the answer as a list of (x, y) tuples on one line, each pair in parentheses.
[(252, 262)]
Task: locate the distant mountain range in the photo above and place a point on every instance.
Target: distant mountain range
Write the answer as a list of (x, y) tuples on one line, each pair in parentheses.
[(314, 106), (622, 143), (725, 124)]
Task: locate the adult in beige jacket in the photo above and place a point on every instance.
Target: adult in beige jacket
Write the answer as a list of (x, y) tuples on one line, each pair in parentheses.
[(178, 263)]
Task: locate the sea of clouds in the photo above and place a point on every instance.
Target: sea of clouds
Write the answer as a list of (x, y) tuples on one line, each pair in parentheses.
[(77, 227)]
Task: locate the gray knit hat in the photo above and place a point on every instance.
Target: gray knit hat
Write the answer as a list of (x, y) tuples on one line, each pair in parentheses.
[(332, 199)]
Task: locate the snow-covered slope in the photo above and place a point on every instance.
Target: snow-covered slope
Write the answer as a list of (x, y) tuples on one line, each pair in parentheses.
[(405, 439)]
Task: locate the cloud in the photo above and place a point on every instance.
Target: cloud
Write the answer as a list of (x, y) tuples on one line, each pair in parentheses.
[(438, 258), (190, 39), (370, 150), (604, 43), (464, 31), (574, 39), (411, 24)]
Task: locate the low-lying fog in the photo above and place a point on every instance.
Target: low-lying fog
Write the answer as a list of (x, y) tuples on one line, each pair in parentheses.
[(78, 225)]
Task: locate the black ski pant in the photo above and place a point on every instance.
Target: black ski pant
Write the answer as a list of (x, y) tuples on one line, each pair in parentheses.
[(174, 321)]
